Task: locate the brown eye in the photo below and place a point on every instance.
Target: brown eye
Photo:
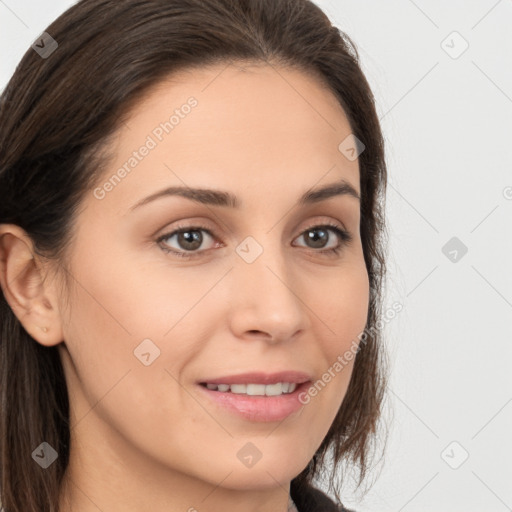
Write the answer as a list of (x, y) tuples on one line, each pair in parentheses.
[(318, 237), (188, 239)]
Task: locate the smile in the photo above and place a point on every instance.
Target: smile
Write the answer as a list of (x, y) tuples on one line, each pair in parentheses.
[(277, 389)]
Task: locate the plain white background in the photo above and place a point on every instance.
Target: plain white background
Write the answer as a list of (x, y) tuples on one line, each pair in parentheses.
[(442, 78)]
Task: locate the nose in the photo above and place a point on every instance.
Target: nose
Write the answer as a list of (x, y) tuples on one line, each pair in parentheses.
[(266, 300)]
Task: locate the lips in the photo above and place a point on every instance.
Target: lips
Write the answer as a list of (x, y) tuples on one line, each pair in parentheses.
[(257, 396), (289, 376)]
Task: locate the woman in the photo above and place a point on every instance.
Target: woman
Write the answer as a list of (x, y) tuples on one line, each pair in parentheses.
[(191, 241)]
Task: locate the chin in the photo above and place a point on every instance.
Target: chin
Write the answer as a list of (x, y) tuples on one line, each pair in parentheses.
[(258, 479), (279, 469)]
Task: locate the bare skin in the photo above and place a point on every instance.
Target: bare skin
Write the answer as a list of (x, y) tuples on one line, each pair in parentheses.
[(147, 437)]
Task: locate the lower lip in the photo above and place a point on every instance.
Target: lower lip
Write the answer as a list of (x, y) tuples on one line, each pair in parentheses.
[(258, 408)]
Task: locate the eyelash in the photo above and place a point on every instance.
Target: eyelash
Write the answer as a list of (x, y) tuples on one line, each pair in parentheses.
[(344, 236)]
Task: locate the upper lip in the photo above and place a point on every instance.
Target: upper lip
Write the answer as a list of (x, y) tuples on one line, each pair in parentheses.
[(261, 378)]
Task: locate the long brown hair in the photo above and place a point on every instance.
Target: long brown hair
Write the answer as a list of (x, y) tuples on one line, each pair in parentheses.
[(58, 112)]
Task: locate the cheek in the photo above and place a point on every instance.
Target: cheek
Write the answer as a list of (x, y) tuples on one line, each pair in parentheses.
[(99, 346), (343, 308), (123, 314), (109, 383)]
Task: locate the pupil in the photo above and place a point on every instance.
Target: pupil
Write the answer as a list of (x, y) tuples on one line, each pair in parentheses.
[(314, 238), (190, 239)]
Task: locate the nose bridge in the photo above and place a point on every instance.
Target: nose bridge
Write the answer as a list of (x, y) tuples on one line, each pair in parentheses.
[(265, 295)]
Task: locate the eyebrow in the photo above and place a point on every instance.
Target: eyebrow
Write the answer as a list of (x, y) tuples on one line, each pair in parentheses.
[(227, 199)]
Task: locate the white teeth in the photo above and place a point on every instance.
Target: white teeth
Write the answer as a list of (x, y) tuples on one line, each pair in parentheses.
[(274, 389), (238, 388), (256, 389)]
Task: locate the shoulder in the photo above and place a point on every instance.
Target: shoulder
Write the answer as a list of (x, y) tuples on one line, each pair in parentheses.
[(310, 499)]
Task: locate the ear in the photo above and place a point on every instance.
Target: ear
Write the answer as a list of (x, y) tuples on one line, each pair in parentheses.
[(32, 298)]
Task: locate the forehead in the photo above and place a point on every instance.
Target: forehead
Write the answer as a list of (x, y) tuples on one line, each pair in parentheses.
[(245, 93), (238, 125)]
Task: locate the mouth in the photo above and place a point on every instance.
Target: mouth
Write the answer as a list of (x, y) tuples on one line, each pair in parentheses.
[(257, 396), (253, 389)]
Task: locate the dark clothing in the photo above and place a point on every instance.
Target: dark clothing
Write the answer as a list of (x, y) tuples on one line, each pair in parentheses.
[(311, 499)]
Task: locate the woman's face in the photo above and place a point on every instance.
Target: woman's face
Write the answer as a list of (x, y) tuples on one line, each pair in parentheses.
[(262, 292)]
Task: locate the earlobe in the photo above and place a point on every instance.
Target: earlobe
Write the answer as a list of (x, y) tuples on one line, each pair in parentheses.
[(31, 297)]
